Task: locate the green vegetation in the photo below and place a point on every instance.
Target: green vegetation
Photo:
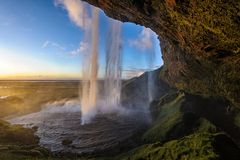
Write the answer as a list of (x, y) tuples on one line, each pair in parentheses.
[(169, 116), (172, 122), (17, 142), (178, 133), (196, 146), (16, 135), (237, 120), (16, 152)]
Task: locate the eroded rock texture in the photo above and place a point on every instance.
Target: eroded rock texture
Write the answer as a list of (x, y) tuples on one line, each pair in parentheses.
[(199, 40)]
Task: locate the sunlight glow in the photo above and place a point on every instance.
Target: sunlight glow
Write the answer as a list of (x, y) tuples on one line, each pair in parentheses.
[(14, 65)]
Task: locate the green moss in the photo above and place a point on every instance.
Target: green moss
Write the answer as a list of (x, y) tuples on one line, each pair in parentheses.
[(237, 120), (173, 121), (205, 37), (16, 134), (196, 146), (169, 116), (206, 21), (17, 142), (206, 126)]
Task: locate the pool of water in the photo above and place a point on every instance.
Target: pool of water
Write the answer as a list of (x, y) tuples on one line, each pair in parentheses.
[(59, 128)]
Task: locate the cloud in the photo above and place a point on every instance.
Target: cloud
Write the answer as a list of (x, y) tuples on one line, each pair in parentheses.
[(83, 46), (144, 40), (47, 44), (77, 12)]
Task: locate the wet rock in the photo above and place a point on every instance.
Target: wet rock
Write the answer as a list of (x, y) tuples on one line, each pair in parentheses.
[(66, 142)]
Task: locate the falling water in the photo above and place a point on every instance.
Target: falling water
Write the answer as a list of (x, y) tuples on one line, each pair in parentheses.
[(91, 102), (90, 71), (112, 84), (150, 64)]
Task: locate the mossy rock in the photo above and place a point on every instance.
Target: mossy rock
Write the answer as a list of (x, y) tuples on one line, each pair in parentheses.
[(169, 116), (19, 143), (172, 122), (16, 134), (66, 142), (237, 119), (200, 146)]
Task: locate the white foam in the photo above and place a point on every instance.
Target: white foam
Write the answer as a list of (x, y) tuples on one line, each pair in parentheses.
[(47, 110), (4, 97)]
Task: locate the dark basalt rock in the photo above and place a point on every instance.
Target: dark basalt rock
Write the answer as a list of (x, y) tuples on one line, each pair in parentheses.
[(66, 142), (135, 91)]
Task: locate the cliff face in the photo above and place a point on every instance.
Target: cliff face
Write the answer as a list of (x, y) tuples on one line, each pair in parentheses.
[(199, 40)]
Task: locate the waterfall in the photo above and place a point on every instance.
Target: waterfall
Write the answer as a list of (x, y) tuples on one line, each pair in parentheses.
[(91, 102), (90, 70), (112, 83), (150, 77), (150, 58), (106, 98)]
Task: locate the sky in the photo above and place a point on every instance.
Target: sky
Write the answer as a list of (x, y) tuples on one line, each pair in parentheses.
[(43, 39)]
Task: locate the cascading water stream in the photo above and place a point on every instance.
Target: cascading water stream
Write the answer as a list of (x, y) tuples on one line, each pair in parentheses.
[(90, 71), (150, 75), (91, 102), (150, 61), (112, 84), (108, 100)]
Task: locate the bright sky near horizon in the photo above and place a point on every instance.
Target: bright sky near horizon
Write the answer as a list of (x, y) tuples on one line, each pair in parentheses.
[(41, 39)]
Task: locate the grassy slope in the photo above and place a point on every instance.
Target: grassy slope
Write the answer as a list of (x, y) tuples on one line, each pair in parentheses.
[(195, 146), (169, 115), (172, 122), (180, 134)]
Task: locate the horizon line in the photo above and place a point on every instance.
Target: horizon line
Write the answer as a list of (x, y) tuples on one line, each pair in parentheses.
[(56, 79)]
